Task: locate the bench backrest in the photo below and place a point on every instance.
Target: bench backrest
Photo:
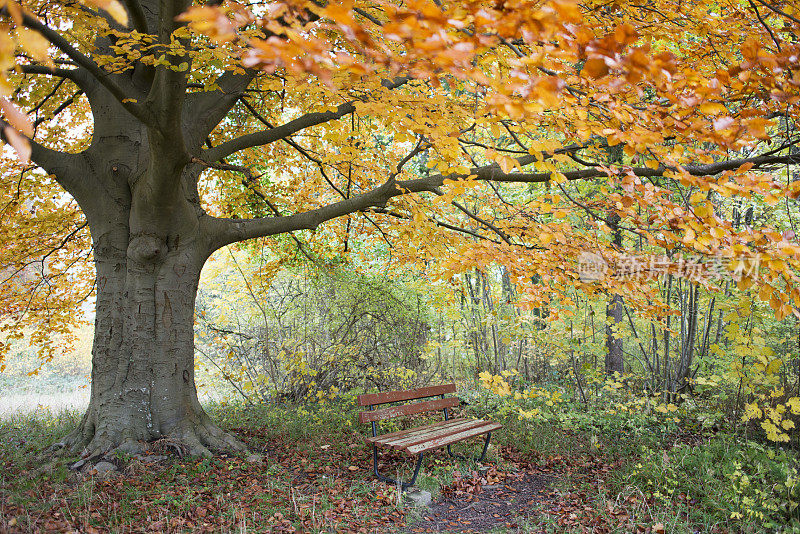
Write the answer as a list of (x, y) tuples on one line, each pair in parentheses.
[(372, 399)]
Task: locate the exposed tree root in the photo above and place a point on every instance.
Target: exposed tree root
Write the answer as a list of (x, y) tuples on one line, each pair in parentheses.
[(197, 437)]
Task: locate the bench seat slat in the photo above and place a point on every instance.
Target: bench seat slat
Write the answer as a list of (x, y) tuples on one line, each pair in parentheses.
[(410, 394), (442, 432), (393, 441), (389, 436), (454, 438), (407, 409)]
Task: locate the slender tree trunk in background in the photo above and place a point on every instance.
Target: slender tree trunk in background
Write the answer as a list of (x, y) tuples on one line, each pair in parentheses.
[(709, 318), (615, 362), (488, 304), (575, 371), (797, 360), (666, 339), (654, 378), (688, 335)]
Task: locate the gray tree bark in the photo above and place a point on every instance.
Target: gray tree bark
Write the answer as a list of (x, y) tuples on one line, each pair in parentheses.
[(150, 240), (615, 362)]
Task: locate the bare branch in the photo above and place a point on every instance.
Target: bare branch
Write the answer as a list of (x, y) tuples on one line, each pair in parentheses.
[(778, 11), (765, 25), (480, 220), (64, 105), (47, 97), (437, 222)]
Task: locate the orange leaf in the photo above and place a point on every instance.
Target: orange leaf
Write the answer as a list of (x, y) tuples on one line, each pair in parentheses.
[(19, 143), (16, 118), (595, 67)]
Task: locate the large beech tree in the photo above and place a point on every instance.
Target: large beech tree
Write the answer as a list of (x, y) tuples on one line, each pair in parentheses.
[(455, 133)]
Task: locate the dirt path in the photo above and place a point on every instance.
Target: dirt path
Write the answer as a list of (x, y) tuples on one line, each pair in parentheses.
[(481, 508), (530, 491)]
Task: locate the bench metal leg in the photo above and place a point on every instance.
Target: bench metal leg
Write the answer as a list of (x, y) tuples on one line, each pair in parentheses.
[(476, 458), (404, 485)]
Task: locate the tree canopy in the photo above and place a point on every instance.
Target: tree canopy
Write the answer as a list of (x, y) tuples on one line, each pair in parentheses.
[(450, 135)]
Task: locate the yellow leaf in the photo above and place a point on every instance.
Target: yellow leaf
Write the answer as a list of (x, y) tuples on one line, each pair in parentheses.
[(697, 197), (712, 108), (567, 9), (113, 8), (773, 367), (794, 405), (751, 411), (34, 44), (595, 68), (765, 292)]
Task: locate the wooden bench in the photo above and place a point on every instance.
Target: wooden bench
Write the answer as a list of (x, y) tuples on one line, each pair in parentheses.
[(421, 439)]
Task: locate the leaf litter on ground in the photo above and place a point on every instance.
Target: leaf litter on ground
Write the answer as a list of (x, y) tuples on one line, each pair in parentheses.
[(314, 485)]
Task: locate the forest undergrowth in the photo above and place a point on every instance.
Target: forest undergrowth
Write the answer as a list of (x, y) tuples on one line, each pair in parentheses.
[(310, 471)]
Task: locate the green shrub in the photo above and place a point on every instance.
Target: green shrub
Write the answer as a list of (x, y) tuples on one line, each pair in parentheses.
[(734, 481)]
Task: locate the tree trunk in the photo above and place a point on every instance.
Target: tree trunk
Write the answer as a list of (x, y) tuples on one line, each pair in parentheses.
[(150, 240), (615, 362), (143, 386)]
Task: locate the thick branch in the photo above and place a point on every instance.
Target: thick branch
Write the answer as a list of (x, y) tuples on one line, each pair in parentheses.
[(203, 111), (136, 13), (168, 90), (495, 174), (226, 231), (77, 76), (276, 134), (69, 170), (266, 137), (167, 15)]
